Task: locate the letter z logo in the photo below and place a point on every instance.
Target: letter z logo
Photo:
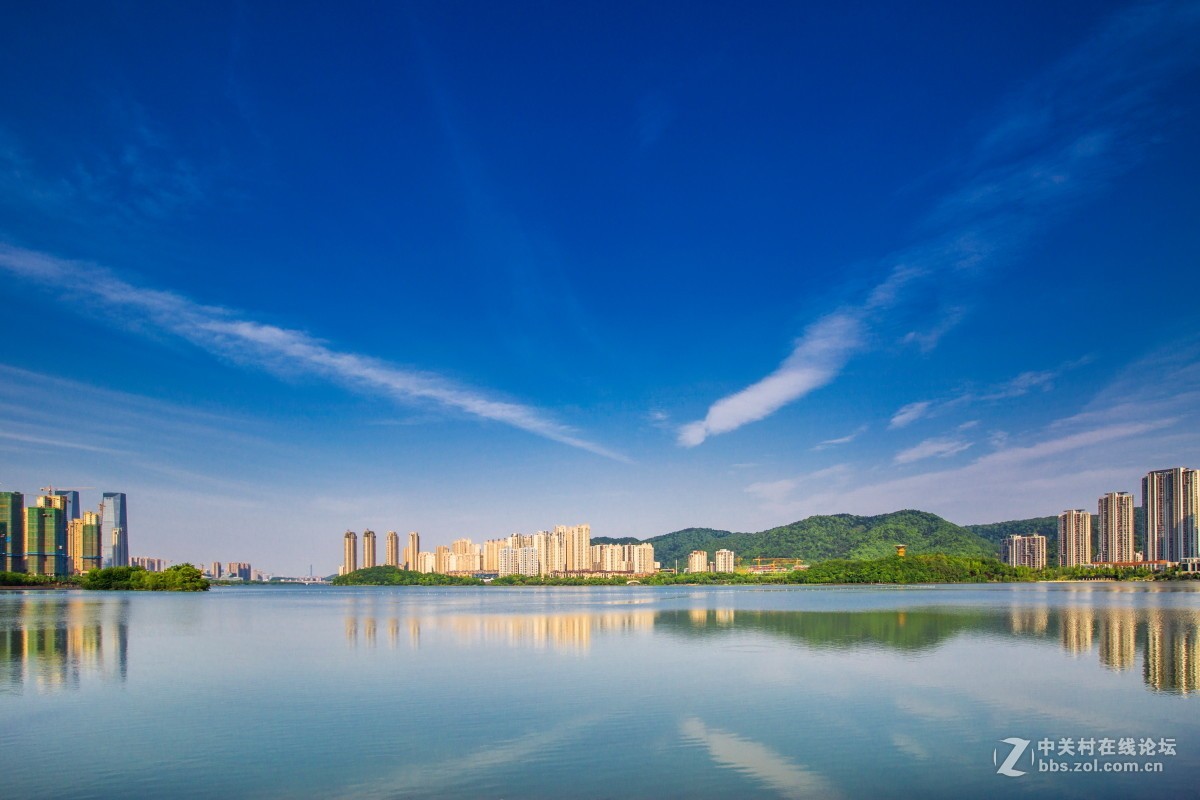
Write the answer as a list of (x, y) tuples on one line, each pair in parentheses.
[(1018, 749)]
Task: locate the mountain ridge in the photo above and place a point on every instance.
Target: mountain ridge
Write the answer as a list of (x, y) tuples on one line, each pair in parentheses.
[(822, 537)]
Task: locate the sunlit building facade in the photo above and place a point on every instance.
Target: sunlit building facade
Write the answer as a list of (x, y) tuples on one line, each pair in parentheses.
[(349, 552), (85, 543), (412, 551), (1116, 527), (391, 556), (724, 561), (368, 549), (1171, 500), (1024, 551), (1074, 538)]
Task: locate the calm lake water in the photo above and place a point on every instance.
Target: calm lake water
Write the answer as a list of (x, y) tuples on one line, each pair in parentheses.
[(601, 692)]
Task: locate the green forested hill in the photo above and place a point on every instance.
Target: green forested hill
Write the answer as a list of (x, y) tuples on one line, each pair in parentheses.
[(996, 532), (821, 538)]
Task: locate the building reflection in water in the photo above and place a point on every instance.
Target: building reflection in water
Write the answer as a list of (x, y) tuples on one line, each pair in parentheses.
[(1172, 651), (52, 643), (1077, 626), (1034, 621), (565, 632), (1118, 638), (1168, 638)]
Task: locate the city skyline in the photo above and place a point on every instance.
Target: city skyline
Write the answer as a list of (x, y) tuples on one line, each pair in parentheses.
[(732, 278)]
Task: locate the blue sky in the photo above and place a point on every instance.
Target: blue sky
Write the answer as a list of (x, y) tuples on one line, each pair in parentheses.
[(277, 271)]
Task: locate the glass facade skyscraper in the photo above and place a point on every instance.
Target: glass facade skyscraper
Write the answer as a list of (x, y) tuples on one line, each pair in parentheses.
[(115, 525)]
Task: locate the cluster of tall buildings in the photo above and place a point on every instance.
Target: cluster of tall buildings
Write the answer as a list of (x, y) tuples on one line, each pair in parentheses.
[(723, 561), (55, 537), (233, 570), (1171, 505), (566, 551)]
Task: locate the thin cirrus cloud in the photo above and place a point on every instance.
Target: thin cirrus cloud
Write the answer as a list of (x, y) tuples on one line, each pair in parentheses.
[(847, 439), (932, 448), (1055, 144), (909, 414), (1053, 473), (1021, 385), (220, 331)]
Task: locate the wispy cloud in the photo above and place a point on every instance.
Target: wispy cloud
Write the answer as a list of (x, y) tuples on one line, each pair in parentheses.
[(1054, 145), (819, 355), (223, 332), (1039, 478), (1129, 427), (778, 492), (909, 414), (143, 177), (1021, 385), (56, 442), (931, 448), (847, 439)]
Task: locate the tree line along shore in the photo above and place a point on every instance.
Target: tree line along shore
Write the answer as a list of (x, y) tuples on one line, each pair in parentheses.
[(927, 568)]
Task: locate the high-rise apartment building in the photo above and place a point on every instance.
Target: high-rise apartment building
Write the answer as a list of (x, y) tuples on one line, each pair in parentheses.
[(1074, 538), (610, 558), (147, 563), (518, 561), (412, 551), (426, 562), (84, 543), (441, 559), (12, 531), (46, 537), (491, 555), (643, 559), (697, 561), (214, 569), (552, 550), (1024, 551), (1171, 500), (723, 561), (465, 562), (114, 520), (392, 556), (349, 552), (577, 544), (1116, 527), (368, 548)]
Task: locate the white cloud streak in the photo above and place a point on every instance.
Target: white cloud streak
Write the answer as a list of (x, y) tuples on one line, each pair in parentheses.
[(222, 332), (847, 439), (1056, 144), (819, 355), (1021, 385), (909, 414), (932, 448)]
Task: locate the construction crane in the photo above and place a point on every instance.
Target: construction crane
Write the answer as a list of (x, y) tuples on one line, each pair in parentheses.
[(773, 565), (53, 489)]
